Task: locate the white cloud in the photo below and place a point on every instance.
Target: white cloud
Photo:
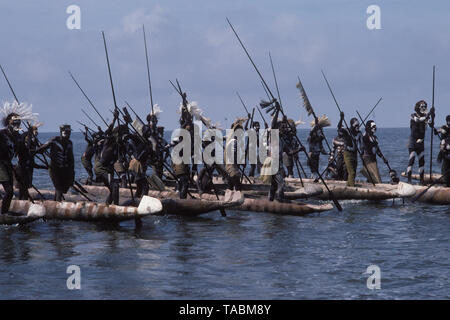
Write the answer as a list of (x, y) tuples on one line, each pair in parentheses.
[(152, 20), (286, 24)]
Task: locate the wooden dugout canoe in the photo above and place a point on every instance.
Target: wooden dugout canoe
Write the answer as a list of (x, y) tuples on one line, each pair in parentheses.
[(81, 211), (233, 201), (12, 219), (435, 177), (256, 190), (282, 208), (174, 205), (295, 193), (169, 202), (308, 191), (362, 190), (366, 191), (434, 195), (259, 205)]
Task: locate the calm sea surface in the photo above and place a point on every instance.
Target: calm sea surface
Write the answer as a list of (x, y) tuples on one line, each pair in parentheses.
[(245, 255)]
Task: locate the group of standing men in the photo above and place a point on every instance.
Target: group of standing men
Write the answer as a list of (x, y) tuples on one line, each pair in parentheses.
[(117, 151)]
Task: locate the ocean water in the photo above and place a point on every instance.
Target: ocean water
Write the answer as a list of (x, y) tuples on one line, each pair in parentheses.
[(246, 255)]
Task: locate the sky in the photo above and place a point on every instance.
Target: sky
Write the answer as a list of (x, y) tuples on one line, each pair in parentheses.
[(192, 42)]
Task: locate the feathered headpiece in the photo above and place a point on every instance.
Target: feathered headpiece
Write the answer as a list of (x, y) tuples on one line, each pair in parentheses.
[(270, 106), (156, 111), (323, 122), (238, 122), (196, 112), (306, 102), (299, 122), (23, 110), (37, 124)]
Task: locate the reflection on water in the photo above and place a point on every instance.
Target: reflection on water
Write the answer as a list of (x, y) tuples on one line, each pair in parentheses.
[(243, 256)]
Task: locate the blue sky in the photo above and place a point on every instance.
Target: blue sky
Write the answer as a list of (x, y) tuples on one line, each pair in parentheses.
[(191, 41)]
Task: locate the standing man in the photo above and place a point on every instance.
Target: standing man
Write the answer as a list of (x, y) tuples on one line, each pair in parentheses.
[(315, 140), (62, 170), (231, 156), (256, 167), (273, 172), (104, 162), (138, 163), (86, 158), (416, 146), (153, 134), (444, 131), (353, 141), (370, 151), (161, 154), (336, 164), (444, 153), (8, 140), (26, 149), (182, 171)]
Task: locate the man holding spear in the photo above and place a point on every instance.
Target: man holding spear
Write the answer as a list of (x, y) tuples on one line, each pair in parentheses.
[(278, 109), (316, 135), (8, 140), (416, 145), (315, 139)]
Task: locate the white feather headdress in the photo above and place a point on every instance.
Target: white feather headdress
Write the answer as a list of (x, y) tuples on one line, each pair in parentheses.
[(156, 111), (323, 122), (196, 112), (299, 122), (23, 110)]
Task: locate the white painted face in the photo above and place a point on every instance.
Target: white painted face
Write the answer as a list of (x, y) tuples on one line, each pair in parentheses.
[(373, 128), (15, 123), (65, 134), (423, 108)]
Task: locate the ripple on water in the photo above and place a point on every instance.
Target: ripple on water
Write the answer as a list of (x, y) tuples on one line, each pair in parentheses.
[(245, 255)]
